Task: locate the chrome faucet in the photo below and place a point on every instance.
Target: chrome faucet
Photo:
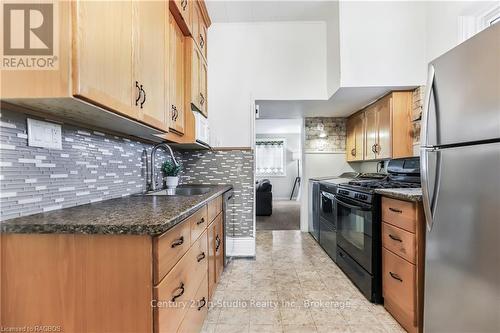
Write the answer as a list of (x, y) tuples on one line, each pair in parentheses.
[(152, 181)]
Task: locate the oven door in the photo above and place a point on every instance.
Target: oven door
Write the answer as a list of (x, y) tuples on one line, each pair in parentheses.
[(354, 230), (327, 207)]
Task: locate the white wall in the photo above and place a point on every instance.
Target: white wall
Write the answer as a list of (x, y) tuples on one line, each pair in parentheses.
[(333, 50), (382, 43), (444, 23), (249, 61)]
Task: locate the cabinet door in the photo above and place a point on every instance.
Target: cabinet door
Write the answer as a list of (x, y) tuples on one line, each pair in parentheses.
[(203, 36), (195, 76), (350, 139), (384, 142), (371, 132), (195, 23), (359, 134), (102, 55), (150, 39), (203, 87), (176, 82)]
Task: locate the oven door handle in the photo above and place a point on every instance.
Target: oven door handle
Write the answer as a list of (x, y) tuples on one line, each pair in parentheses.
[(328, 195), (343, 203)]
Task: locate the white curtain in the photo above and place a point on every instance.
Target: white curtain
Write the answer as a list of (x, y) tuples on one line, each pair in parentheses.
[(270, 155)]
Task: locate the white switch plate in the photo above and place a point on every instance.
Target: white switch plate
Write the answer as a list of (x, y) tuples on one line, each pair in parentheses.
[(44, 134)]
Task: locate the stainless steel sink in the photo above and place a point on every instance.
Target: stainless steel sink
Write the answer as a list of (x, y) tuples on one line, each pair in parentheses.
[(183, 191)]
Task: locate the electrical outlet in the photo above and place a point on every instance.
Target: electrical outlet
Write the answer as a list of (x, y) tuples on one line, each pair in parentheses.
[(44, 134)]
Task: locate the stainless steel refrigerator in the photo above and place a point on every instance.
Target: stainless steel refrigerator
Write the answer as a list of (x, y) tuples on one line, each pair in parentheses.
[(460, 166)]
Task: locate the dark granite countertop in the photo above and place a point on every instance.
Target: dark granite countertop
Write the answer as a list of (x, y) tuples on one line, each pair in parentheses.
[(132, 215), (408, 194)]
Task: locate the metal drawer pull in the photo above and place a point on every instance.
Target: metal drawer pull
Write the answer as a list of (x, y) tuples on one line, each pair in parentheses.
[(353, 152), (203, 303), (139, 90), (217, 243), (178, 242), (397, 239), (201, 221), (395, 276), (395, 210), (200, 257), (181, 288)]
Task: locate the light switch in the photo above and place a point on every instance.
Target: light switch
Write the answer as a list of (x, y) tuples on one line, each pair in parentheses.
[(44, 134)]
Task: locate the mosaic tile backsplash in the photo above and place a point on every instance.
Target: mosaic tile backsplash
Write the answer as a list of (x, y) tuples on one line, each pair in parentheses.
[(94, 166), (222, 167)]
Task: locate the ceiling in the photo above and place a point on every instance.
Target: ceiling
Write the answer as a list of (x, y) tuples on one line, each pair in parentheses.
[(268, 11), (344, 102)]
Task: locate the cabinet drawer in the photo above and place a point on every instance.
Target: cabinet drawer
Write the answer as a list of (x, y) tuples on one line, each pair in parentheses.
[(214, 208), (168, 248), (399, 241), (402, 214), (198, 222), (198, 310), (174, 293), (398, 280)]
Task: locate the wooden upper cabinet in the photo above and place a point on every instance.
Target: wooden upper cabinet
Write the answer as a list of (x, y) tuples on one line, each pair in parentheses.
[(371, 132), (199, 27), (203, 87), (387, 129), (177, 77), (196, 75), (383, 147), (150, 63), (103, 55), (355, 137)]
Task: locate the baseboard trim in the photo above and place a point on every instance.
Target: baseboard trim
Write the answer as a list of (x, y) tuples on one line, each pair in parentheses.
[(240, 247)]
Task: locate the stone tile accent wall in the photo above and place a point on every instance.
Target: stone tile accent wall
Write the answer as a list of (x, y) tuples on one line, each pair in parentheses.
[(94, 166), (335, 130), (221, 167), (417, 108)]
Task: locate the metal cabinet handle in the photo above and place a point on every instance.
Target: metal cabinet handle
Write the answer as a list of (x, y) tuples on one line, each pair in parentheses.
[(200, 257), (203, 303), (353, 152), (173, 112), (373, 149), (395, 210), (396, 277), (202, 99), (181, 288), (202, 41), (184, 4), (139, 90), (397, 239), (201, 221), (144, 94), (217, 242), (178, 242)]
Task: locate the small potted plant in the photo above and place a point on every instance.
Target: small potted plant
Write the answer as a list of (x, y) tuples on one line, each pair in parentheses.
[(171, 172)]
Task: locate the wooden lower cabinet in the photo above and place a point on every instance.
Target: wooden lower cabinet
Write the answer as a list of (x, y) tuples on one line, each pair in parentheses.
[(403, 243), (111, 283)]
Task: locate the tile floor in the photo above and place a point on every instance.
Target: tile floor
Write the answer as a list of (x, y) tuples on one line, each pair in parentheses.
[(292, 286)]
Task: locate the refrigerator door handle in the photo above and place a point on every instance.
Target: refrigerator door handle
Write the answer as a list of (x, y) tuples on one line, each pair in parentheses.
[(429, 200), (424, 165), (427, 102)]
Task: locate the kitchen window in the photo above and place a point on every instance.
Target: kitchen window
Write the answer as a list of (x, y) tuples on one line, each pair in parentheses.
[(270, 157)]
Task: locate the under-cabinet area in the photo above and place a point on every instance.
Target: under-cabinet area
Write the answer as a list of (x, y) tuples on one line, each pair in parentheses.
[(111, 282)]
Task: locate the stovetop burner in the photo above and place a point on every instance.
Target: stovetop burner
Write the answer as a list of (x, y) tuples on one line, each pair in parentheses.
[(383, 184)]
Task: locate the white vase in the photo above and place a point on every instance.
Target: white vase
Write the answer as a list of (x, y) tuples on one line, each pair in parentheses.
[(172, 182)]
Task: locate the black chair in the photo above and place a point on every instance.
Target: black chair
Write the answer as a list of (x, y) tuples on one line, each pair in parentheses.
[(264, 198)]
